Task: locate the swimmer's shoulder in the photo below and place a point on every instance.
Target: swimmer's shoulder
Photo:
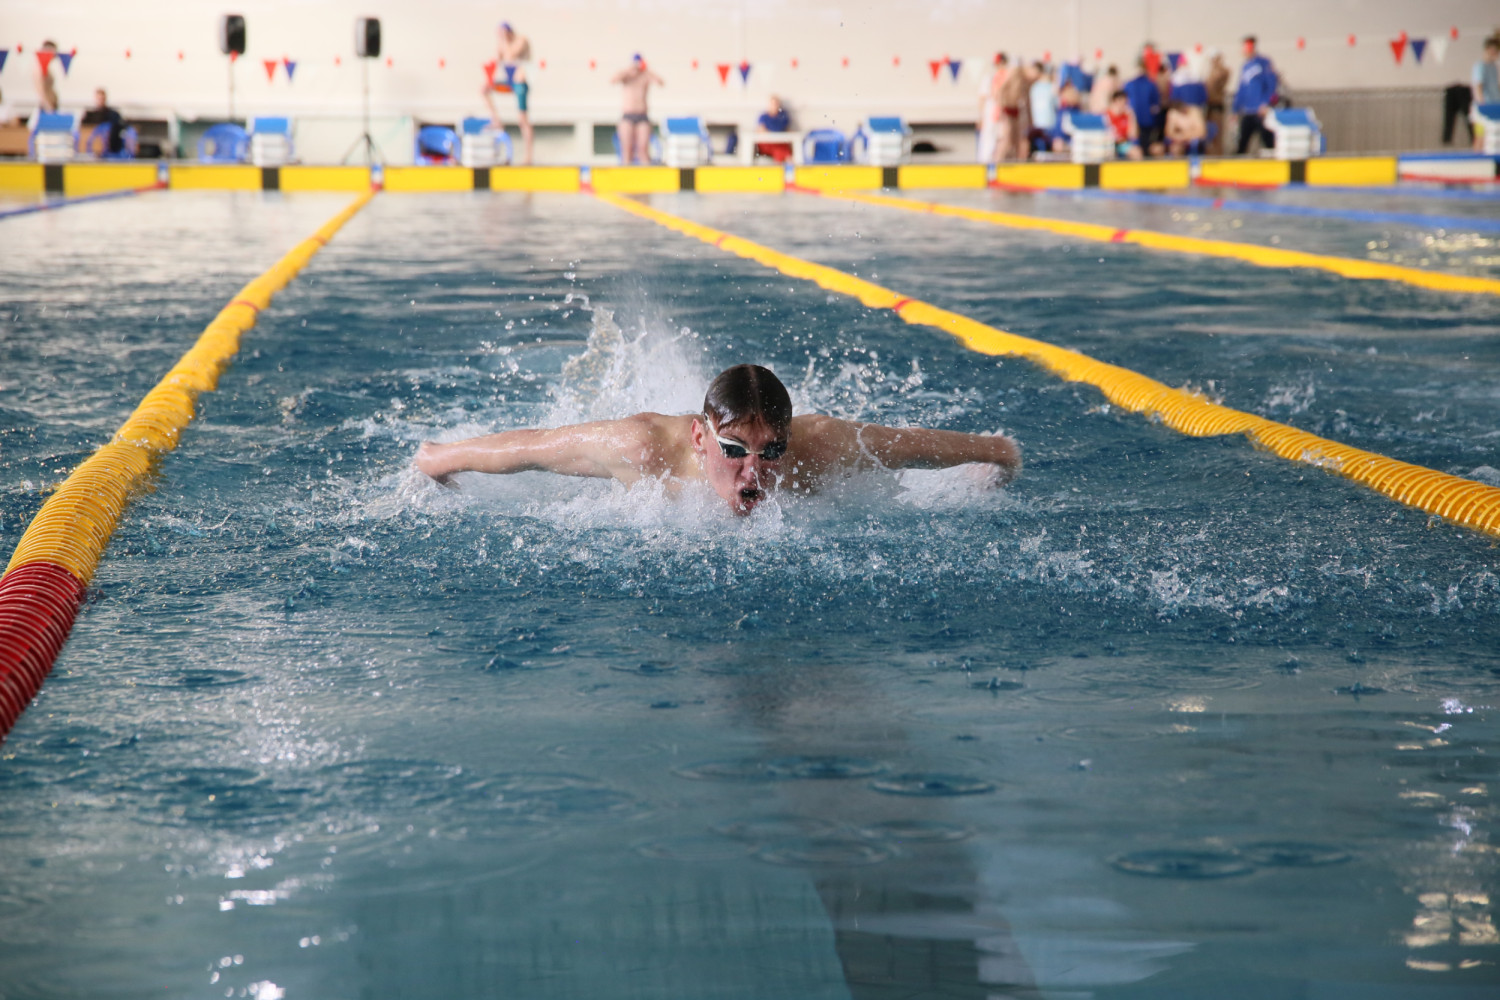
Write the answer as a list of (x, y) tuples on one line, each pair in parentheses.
[(655, 443)]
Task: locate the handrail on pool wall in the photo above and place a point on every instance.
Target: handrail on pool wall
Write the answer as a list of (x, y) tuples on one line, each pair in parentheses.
[(44, 584), (1462, 501)]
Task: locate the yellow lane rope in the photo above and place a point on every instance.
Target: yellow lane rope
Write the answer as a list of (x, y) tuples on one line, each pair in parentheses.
[(1248, 252), (1462, 501), (74, 525)]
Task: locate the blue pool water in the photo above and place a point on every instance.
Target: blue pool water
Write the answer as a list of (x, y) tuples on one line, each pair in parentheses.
[(1167, 718)]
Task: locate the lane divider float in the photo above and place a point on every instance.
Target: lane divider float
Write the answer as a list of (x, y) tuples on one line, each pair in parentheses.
[(1462, 501), (44, 584), (55, 203), (1261, 256)]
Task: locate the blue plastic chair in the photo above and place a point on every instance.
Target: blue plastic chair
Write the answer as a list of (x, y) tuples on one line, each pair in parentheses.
[(694, 128), (224, 143), (99, 140), (825, 145), (436, 144)]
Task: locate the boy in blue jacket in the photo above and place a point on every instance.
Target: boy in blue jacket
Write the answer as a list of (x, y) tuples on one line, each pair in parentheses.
[(1254, 96)]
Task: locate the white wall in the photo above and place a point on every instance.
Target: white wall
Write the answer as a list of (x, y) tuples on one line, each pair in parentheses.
[(567, 34)]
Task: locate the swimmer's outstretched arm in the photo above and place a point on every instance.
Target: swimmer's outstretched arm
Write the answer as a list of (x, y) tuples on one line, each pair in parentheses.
[(620, 449), (847, 443)]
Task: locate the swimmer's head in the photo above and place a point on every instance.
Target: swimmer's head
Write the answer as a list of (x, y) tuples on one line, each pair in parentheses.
[(744, 431), (506, 29)]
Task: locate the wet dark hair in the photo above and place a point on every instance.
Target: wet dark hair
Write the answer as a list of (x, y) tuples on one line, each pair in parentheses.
[(748, 393)]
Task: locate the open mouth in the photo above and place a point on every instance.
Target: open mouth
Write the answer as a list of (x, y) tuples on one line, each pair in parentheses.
[(750, 496)]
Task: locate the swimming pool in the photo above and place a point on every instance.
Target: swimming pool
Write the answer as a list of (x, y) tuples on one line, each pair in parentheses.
[(1169, 717)]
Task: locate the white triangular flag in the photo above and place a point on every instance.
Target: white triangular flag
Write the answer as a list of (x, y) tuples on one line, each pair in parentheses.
[(977, 68), (1438, 46)]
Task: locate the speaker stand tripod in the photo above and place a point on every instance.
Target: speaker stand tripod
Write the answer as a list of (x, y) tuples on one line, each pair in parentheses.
[(372, 151)]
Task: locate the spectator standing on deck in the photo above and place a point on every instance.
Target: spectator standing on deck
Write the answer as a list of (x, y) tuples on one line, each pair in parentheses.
[(46, 88), (988, 127), (1105, 85), (1145, 102), (1216, 81), (1043, 101), (1014, 97), (1253, 97), (514, 60), (1486, 82), (635, 120)]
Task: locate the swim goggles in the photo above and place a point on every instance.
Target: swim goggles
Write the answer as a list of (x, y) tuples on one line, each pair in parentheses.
[(736, 449)]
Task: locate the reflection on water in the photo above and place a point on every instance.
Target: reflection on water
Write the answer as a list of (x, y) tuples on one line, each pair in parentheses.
[(1167, 715)]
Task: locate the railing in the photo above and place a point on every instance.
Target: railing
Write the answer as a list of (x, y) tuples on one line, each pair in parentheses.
[(1388, 120)]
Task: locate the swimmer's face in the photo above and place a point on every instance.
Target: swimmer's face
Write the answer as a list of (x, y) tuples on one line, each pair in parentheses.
[(746, 476)]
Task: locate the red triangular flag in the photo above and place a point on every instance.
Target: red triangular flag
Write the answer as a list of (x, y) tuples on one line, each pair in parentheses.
[(936, 66), (270, 65), (895, 60), (1351, 41), (1452, 33), (846, 62), (44, 58), (593, 64), (1301, 44), (541, 64), (723, 69), (1398, 48), (232, 56), (1098, 53), (127, 53), (489, 69), (337, 61), (291, 67), (794, 62), (695, 64), (1047, 56), (442, 63), (66, 58), (179, 55), (390, 61)]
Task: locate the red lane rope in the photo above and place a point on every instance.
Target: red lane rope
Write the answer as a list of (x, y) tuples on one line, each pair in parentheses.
[(39, 602)]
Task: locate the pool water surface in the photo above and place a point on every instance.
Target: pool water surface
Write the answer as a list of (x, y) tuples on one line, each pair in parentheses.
[(1168, 717)]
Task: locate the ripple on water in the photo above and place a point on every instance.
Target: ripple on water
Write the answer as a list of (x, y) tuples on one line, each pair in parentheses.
[(693, 847), (200, 677), (781, 827), (815, 852), (1293, 854), (1121, 733), (605, 750), (214, 796), (931, 785), (1095, 694), (801, 766), (1183, 863), (915, 831), (385, 783), (558, 798), (645, 669)]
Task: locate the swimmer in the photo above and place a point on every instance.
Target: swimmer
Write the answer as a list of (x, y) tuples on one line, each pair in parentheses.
[(514, 58), (744, 445), (635, 121)]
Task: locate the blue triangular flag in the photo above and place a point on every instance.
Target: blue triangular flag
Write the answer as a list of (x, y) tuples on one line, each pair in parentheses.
[(1173, 59), (954, 65), (3, 54), (1418, 46), (744, 72), (66, 58), (291, 67)]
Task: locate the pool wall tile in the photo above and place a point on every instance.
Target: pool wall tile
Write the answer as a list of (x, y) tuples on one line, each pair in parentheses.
[(839, 178), (534, 179), (429, 179), (1352, 171), (1151, 174), (965, 175), (1040, 175), (769, 179), (1254, 172), (214, 177), (324, 178), (80, 179), (21, 178)]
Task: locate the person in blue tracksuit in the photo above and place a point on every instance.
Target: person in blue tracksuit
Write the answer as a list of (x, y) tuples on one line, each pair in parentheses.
[(1254, 95), (1145, 100)]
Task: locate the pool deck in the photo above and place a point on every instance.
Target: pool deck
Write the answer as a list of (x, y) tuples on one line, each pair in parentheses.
[(81, 179)]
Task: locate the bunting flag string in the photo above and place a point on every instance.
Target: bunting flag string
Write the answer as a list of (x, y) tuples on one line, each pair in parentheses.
[(66, 58)]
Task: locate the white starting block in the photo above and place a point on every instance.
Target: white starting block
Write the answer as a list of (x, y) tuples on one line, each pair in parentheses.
[(1089, 137), (1298, 135), (685, 143), (270, 142), (1487, 117), (480, 145), (54, 136), (881, 142)]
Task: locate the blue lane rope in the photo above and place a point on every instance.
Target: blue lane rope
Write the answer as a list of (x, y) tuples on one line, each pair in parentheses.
[(1420, 220), (56, 203)]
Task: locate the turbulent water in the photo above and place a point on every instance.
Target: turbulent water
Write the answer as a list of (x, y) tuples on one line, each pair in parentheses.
[(1163, 715)]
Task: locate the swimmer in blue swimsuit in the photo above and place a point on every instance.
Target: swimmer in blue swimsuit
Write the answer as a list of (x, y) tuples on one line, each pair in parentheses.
[(511, 77), (745, 444)]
